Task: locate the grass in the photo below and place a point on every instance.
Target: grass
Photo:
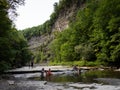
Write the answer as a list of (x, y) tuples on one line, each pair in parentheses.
[(79, 63)]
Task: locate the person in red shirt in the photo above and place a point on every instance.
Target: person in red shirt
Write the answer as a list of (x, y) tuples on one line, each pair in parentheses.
[(48, 74)]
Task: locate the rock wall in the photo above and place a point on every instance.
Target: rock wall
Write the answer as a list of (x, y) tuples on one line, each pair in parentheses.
[(64, 17), (62, 22)]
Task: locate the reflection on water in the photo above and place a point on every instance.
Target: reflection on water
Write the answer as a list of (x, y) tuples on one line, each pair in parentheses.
[(105, 77), (66, 80)]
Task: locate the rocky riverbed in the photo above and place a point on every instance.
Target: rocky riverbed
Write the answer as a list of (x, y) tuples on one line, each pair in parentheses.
[(60, 81), (44, 85)]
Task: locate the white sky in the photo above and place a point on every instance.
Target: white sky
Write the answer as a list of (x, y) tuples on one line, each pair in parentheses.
[(33, 13)]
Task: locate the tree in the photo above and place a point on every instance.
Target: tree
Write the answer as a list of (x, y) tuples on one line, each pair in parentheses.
[(13, 46)]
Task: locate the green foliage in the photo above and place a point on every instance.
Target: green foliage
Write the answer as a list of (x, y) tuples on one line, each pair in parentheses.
[(39, 57), (46, 28), (86, 52), (94, 37), (37, 30), (13, 46), (5, 22)]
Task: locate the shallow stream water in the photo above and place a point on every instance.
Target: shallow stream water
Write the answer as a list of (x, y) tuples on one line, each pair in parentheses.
[(102, 77), (66, 80)]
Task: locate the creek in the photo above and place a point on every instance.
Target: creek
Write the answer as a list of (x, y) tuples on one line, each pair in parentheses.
[(66, 80)]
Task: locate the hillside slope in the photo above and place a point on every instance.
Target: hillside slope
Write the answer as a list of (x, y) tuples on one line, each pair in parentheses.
[(91, 35), (65, 15)]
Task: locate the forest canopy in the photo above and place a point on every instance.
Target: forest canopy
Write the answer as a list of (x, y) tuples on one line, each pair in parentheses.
[(13, 45), (94, 37)]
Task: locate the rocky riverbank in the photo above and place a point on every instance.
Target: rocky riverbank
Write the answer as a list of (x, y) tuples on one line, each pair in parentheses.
[(44, 85), (23, 81)]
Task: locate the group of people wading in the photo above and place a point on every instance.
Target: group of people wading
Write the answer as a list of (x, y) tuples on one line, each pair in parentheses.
[(46, 74)]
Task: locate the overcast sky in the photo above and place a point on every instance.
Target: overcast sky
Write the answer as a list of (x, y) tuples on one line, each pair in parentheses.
[(33, 13)]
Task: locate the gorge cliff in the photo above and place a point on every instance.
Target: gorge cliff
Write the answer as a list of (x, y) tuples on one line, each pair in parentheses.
[(64, 13), (84, 32)]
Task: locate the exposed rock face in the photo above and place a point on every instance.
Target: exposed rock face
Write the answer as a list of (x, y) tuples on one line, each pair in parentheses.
[(36, 42), (64, 18), (62, 22)]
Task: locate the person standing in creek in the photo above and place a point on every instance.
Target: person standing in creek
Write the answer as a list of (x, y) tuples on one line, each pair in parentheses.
[(48, 75), (42, 73), (76, 70), (32, 64)]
